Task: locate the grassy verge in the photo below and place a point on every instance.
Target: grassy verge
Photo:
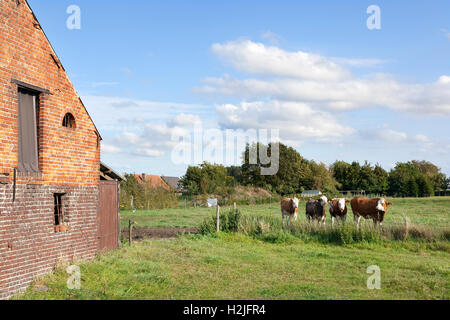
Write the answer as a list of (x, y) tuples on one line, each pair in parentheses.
[(236, 266)]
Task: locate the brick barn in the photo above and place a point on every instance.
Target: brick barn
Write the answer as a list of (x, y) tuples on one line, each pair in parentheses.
[(53, 206)]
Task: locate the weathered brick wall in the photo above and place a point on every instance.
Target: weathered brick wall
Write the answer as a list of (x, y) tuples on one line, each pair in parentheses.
[(69, 160), (29, 246), (66, 156)]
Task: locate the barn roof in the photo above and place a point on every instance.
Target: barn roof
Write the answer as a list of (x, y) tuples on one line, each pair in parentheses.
[(173, 182), (106, 173), (151, 181)]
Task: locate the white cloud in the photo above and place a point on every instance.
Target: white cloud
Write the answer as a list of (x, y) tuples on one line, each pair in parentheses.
[(382, 91), (309, 78), (147, 152), (297, 122), (107, 148), (446, 33), (153, 139), (355, 62), (393, 137), (182, 120), (125, 114), (256, 58), (272, 37)]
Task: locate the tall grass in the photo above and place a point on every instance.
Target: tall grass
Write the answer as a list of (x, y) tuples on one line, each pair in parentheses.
[(271, 229)]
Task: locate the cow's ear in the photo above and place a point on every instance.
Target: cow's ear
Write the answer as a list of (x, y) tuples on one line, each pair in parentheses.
[(347, 201), (389, 203)]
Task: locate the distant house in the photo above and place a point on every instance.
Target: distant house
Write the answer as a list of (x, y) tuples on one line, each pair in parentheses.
[(174, 183), (151, 181), (311, 193)]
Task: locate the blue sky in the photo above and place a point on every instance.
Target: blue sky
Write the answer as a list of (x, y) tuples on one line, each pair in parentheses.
[(312, 69)]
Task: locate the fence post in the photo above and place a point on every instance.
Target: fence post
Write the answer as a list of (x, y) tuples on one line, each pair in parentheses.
[(235, 207), (218, 219), (130, 232)]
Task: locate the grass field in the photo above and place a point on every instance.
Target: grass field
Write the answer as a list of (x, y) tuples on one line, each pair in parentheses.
[(236, 266), (429, 211)]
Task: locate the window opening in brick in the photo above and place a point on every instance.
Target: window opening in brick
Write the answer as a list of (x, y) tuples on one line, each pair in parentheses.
[(28, 131), (69, 121), (59, 212)]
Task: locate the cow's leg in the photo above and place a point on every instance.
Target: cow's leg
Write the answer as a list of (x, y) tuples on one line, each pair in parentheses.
[(332, 221), (324, 220), (295, 217), (343, 220), (357, 220)]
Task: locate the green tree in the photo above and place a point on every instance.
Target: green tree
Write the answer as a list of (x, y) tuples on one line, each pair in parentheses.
[(207, 179), (295, 174), (425, 186)]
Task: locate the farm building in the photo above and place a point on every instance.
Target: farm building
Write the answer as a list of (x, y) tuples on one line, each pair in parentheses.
[(53, 205), (151, 181), (174, 183)]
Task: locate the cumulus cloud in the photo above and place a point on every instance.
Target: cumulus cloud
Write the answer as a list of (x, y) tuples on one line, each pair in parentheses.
[(147, 152), (107, 148), (153, 140), (256, 58), (356, 62), (297, 122), (446, 33), (309, 78), (394, 137), (182, 120)]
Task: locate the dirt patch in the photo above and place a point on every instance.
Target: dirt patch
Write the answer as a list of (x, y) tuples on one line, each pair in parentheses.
[(157, 233)]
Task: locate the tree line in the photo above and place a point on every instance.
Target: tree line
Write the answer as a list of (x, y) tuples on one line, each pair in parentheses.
[(297, 174)]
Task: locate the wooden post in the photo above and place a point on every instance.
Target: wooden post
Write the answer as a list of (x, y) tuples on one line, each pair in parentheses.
[(130, 232), (218, 219)]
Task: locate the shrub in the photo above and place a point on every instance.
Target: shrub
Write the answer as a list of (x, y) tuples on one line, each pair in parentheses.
[(271, 229)]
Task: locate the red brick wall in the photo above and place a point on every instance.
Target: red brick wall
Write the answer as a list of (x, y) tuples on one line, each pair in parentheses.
[(29, 246), (66, 156), (69, 160)]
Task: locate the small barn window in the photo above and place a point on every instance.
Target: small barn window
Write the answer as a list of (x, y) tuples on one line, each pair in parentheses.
[(69, 121), (59, 212)]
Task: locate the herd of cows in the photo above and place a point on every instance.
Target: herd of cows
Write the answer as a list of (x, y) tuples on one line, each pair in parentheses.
[(374, 209)]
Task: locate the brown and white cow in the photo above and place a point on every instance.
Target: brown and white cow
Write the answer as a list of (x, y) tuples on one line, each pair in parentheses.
[(317, 210), (374, 209), (289, 208), (338, 209)]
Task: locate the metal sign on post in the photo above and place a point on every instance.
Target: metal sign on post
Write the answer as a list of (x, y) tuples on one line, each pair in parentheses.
[(212, 203)]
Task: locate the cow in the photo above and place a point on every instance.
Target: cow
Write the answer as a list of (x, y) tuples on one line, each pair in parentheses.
[(289, 208), (374, 209), (317, 210), (338, 209)]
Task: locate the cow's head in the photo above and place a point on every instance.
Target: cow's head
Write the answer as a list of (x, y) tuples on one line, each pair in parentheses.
[(383, 205), (323, 201), (294, 203), (341, 203)]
